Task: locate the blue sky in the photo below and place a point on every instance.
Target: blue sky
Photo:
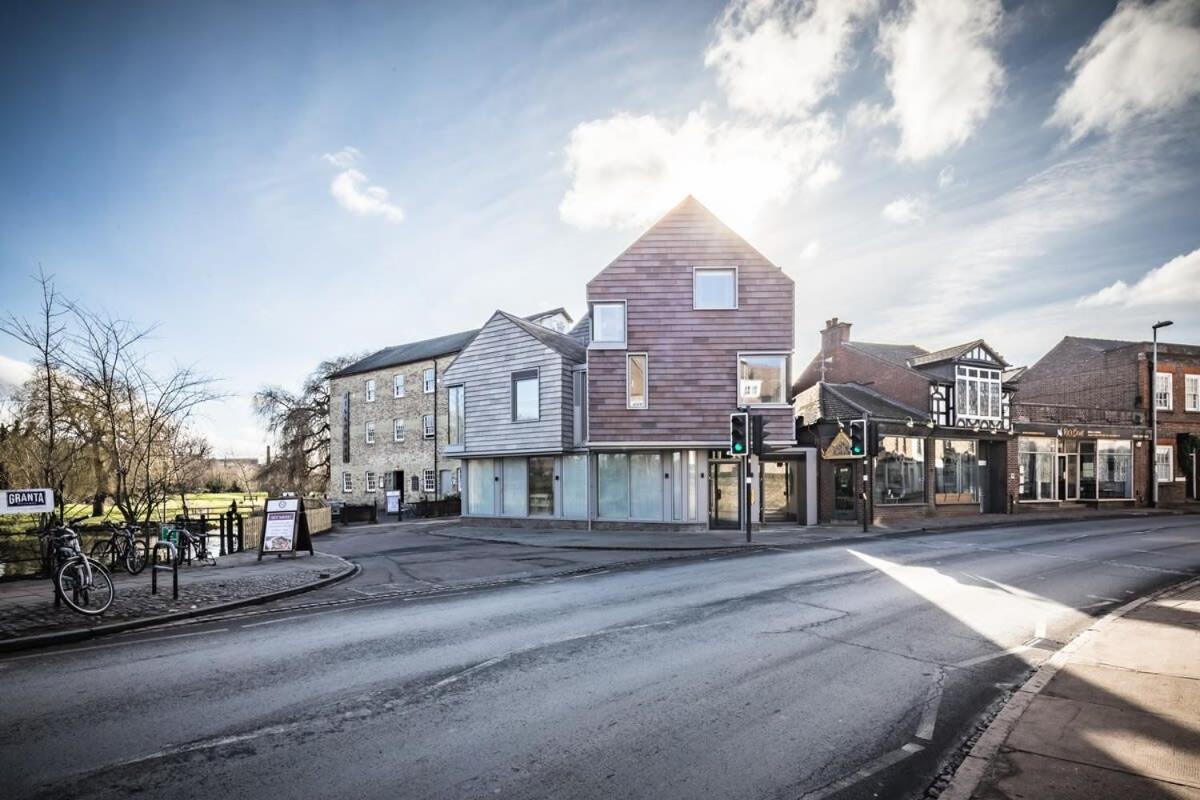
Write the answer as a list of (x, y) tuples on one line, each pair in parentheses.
[(276, 183)]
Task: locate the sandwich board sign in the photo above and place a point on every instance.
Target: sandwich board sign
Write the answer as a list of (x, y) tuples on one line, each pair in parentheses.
[(285, 527), (26, 501)]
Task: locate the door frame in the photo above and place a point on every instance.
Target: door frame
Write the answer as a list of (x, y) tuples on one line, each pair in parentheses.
[(852, 514), (714, 465)]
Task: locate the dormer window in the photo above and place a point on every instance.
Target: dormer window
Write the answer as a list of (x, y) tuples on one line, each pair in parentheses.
[(977, 393), (714, 288)]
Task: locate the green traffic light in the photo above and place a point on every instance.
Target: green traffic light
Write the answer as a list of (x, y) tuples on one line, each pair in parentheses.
[(737, 448)]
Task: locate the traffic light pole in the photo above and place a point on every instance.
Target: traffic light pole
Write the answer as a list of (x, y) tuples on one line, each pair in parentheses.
[(747, 494)]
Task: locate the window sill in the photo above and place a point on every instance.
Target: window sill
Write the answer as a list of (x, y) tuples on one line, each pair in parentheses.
[(608, 346), (455, 448)]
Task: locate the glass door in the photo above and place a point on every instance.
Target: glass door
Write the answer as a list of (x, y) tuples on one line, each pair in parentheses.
[(843, 492), (777, 492), (725, 502), (1068, 476)]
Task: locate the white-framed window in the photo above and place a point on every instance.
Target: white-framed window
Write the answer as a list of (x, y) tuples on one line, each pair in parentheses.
[(1164, 463), (347, 482), (370, 390), (369, 432), (397, 430), (456, 418), (524, 395), (1191, 392), (1162, 391), (977, 393), (762, 379), (398, 385), (371, 484), (637, 380), (429, 380), (1036, 465), (608, 324), (714, 287), (429, 479), (427, 425)]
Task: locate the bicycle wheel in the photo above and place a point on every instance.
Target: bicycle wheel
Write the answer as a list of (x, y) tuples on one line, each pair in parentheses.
[(85, 595), (135, 557), (105, 553)]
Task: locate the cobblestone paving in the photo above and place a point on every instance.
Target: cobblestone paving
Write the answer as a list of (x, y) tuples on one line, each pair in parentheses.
[(27, 606)]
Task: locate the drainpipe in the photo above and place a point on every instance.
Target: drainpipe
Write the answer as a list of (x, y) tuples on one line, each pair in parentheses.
[(437, 477)]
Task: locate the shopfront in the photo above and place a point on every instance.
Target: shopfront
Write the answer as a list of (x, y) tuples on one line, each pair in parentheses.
[(1059, 465)]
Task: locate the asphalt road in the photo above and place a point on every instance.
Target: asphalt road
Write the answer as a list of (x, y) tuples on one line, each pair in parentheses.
[(839, 671)]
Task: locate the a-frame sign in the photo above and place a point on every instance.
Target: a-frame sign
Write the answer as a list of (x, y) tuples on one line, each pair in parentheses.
[(285, 527)]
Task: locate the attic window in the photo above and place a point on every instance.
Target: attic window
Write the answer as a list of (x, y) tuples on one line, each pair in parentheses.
[(714, 288)]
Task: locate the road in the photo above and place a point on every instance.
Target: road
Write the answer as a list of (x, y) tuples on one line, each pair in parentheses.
[(849, 671)]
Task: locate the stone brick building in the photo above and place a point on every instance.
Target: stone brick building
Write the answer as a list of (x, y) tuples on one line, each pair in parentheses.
[(388, 420), (1087, 404)]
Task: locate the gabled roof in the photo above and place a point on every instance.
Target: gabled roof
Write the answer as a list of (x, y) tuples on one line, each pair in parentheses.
[(561, 343), (1013, 375), (424, 350), (958, 351), (898, 354), (833, 401), (582, 332), (1108, 345)]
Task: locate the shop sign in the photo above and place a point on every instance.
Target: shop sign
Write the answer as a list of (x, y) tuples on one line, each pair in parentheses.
[(840, 448), (285, 527), (26, 501)]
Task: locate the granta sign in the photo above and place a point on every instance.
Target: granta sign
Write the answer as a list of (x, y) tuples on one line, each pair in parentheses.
[(26, 501)]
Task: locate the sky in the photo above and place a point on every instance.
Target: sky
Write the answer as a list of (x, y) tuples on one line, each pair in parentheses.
[(276, 183)]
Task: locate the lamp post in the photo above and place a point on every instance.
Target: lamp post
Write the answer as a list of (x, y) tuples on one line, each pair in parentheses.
[(1154, 411)]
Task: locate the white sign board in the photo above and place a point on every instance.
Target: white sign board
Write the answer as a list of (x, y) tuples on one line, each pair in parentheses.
[(285, 504), (393, 502), (279, 532), (26, 501)]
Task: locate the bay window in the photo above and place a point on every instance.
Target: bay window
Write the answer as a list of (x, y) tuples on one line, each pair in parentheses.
[(1036, 465), (900, 470), (956, 471), (762, 379), (977, 393)]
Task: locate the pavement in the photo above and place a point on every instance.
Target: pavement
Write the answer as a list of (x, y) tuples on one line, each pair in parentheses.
[(28, 616), (1116, 713), (839, 671), (777, 535)]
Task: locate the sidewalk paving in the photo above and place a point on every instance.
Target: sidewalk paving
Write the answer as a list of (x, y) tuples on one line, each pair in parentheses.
[(1115, 714), (768, 536), (27, 606)]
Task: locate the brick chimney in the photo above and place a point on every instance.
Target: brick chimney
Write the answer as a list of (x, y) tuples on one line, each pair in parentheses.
[(835, 334)]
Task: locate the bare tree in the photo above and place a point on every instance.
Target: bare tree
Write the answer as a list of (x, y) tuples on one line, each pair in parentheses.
[(143, 419), (300, 424)]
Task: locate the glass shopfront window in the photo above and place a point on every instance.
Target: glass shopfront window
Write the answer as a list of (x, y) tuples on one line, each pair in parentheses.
[(541, 486), (1114, 470), (612, 479), (900, 470), (514, 478), (1036, 461), (574, 481), (956, 471), (481, 486)]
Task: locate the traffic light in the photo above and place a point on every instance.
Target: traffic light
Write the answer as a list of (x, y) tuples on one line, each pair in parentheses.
[(739, 433), (858, 437), (756, 434)]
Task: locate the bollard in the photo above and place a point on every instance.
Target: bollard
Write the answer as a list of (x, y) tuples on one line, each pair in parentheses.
[(171, 565)]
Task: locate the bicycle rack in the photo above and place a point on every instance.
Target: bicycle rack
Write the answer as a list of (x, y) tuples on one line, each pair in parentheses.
[(170, 565)]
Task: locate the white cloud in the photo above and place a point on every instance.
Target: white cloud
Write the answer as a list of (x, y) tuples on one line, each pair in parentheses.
[(811, 250), (13, 373), (627, 170), (944, 75), (906, 210), (353, 191), (1175, 282), (826, 173), (946, 177), (780, 58), (1144, 61)]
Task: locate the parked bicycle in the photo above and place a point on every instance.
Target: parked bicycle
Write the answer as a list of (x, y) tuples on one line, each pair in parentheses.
[(188, 545), (123, 546), (82, 582)]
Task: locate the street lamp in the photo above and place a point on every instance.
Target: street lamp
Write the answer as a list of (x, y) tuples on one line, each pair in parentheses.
[(1154, 412)]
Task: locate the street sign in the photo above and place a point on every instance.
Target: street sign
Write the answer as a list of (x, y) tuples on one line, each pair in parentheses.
[(285, 527), (26, 501)]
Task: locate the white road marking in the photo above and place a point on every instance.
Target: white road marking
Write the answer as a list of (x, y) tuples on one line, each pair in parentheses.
[(1102, 597), (1039, 629), (867, 770), (108, 645), (1012, 651), (933, 700)]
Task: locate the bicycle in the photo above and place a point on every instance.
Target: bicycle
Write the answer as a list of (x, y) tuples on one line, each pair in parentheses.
[(188, 545), (82, 582), (124, 546)]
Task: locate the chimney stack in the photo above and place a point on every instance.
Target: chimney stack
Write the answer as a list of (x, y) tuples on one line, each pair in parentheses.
[(835, 334)]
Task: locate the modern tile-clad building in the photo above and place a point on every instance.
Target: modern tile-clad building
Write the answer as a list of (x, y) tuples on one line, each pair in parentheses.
[(1083, 417), (631, 421), (388, 417), (941, 421)]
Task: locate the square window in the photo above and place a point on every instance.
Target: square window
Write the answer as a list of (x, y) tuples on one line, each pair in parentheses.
[(714, 288), (608, 323), (637, 381), (525, 396), (762, 379)]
